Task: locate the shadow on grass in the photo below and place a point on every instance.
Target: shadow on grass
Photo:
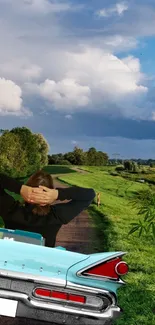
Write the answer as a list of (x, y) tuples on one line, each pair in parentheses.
[(51, 169), (104, 228), (137, 309), (57, 169)]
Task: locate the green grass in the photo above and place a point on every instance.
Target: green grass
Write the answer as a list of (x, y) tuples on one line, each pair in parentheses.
[(113, 222), (58, 169)]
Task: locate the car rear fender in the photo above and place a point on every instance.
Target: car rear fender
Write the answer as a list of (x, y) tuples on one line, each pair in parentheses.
[(29, 261), (75, 275)]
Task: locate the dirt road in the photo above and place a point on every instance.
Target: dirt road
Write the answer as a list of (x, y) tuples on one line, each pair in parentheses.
[(77, 236)]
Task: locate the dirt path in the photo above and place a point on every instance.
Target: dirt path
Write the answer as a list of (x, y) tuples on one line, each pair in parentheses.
[(81, 171), (76, 236)]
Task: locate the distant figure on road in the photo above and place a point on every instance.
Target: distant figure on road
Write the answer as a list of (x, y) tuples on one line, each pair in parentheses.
[(98, 199)]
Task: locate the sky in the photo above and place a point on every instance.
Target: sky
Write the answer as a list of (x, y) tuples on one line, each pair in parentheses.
[(81, 72)]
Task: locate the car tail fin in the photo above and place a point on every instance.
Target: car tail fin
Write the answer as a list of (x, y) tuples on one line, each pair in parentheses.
[(112, 268)]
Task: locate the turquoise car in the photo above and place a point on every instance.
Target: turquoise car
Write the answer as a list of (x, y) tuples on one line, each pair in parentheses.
[(55, 285)]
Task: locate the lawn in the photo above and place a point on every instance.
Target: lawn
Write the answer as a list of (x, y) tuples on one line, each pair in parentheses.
[(112, 222)]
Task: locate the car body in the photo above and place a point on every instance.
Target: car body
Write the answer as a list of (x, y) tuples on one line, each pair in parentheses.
[(56, 285)]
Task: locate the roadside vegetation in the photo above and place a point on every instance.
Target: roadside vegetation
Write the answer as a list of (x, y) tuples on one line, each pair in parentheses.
[(112, 222)]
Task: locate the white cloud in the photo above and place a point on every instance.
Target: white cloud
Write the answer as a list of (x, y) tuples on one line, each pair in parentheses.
[(65, 94), (117, 42), (41, 6), (11, 99), (95, 80), (68, 117), (118, 9), (69, 72), (74, 142), (153, 116), (20, 70)]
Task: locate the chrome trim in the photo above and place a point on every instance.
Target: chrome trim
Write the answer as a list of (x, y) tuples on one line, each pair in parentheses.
[(30, 277), (109, 313), (101, 277), (13, 295), (93, 290), (117, 267), (72, 310)]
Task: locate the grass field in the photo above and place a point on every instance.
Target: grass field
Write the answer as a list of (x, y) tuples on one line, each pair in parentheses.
[(113, 222)]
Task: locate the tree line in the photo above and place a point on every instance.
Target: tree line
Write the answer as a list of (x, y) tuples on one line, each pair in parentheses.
[(22, 152), (79, 157)]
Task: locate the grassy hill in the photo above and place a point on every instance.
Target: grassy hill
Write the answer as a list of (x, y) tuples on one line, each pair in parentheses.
[(112, 221)]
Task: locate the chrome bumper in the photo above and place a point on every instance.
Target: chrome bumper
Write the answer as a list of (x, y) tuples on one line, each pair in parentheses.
[(60, 314)]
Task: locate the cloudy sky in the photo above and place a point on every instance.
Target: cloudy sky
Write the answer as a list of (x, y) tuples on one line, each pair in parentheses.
[(81, 72)]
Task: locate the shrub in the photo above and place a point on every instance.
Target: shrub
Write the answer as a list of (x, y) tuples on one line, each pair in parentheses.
[(114, 173), (65, 162), (120, 168)]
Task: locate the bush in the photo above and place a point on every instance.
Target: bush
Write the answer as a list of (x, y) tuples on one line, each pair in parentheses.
[(64, 162), (120, 168), (114, 174), (128, 165)]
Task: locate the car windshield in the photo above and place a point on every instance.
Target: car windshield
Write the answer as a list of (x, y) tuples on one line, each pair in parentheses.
[(22, 236)]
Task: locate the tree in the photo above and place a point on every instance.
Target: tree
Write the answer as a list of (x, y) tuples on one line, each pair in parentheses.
[(13, 158), (128, 165), (79, 156), (29, 143), (43, 149), (135, 167), (91, 156), (70, 157), (101, 158), (2, 131), (22, 152), (96, 158), (55, 159)]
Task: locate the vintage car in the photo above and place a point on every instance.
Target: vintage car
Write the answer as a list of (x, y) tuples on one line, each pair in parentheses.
[(55, 285)]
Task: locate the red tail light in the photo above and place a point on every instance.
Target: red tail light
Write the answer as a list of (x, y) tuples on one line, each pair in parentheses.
[(122, 268), (110, 269), (45, 293), (77, 298), (59, 295)]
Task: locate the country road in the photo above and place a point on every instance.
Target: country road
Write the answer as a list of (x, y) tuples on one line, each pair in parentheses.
[(76, 236)]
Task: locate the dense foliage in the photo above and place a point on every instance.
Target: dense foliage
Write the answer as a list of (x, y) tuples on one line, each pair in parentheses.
[(92, 157), (22, 152), (144, 201)]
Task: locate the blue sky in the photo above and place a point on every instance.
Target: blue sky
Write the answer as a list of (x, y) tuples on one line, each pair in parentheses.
[(81, 73)]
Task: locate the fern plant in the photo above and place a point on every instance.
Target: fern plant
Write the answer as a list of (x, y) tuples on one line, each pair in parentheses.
[(145, 202)]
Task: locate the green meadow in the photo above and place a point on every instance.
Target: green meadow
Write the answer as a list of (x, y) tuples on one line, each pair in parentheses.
[(112, 222)]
